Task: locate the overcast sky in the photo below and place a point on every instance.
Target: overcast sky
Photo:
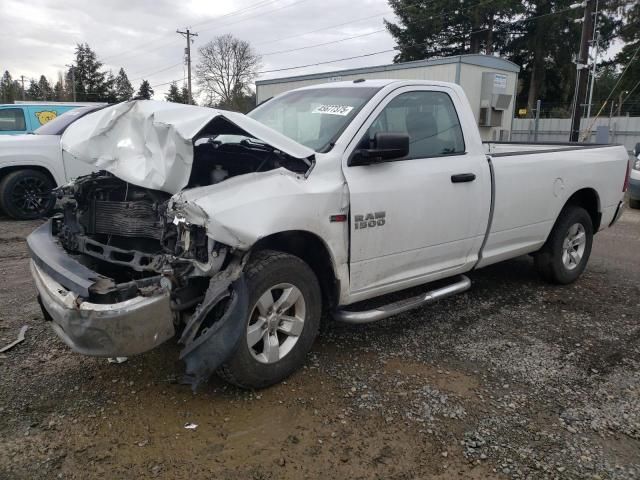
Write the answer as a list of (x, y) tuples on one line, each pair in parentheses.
[(38, 36)]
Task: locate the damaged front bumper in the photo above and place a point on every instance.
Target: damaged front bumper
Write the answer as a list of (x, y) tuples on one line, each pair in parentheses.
[(122, 328)]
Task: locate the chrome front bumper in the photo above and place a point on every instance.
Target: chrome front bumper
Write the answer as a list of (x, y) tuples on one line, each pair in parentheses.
[(105, 330)]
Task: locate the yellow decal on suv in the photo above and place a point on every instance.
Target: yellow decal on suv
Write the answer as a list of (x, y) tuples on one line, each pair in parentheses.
[(46, 116)]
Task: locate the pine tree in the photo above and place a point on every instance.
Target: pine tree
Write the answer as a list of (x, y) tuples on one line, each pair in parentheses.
[(545, 47), (46, 92), (111, 93), (440, 28), (58, 89), (9, 89), (90, 82), (145, 92), (33, 92), (186, 98), (174, 95), (124, 90)]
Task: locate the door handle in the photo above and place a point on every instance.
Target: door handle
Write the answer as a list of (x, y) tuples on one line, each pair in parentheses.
[(463, 177)]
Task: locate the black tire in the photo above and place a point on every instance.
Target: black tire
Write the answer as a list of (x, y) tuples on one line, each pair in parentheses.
[(26, 194), (265, 270), (635, 204), (549, 260)]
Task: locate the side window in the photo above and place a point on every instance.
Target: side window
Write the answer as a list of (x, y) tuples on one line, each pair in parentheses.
[(12, 119), (429, 118)]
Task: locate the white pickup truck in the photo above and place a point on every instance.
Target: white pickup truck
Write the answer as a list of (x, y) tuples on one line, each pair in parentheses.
[(239, 231)]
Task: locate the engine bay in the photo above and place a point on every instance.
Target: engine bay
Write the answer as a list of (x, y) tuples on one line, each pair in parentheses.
[(219, 157)]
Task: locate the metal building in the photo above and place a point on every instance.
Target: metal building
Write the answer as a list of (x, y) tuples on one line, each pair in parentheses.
[(489, 82)]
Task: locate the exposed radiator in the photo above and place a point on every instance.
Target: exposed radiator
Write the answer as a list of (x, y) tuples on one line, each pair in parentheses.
[(127, 219)]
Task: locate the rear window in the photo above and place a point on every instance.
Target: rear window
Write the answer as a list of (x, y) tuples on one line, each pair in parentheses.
[(12, 119)]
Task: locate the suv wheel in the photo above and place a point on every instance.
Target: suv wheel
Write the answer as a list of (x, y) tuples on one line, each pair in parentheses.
[(26, 194)]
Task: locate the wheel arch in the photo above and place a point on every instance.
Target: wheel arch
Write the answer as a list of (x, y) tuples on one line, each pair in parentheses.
[(588, 199), (313, 251), (4, 171)]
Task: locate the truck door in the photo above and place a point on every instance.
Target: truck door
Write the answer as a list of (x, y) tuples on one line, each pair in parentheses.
[(422, 217)]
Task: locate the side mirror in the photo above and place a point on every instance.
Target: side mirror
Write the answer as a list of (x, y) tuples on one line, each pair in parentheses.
[(386, 147), (636, 150)]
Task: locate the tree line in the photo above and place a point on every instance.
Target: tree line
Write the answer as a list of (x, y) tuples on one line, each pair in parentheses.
[(84, 81), (224, 73), (541, 36)]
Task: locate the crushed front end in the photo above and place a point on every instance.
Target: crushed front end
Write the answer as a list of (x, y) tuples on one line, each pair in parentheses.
[(117, 275)]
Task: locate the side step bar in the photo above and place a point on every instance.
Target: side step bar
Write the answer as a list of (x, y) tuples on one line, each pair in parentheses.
[(462, 284)]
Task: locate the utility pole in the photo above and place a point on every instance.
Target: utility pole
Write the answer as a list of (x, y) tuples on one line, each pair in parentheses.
[(622, 94), (535, 131), (593, 76), (583, 60), (22, 80), (188, 34), (595, 42)]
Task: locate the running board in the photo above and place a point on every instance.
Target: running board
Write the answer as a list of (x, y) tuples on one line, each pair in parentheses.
[(367, 316)]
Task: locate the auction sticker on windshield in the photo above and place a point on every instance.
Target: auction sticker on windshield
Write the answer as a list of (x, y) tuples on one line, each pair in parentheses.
[(342, 110)]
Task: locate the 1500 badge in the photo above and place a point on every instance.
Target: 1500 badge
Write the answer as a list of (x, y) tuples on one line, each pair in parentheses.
[(369, 220)]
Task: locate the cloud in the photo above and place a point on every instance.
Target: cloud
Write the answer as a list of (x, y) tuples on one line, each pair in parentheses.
[(140, 35)]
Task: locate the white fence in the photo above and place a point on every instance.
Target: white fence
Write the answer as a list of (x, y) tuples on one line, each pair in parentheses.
[(624, 130)]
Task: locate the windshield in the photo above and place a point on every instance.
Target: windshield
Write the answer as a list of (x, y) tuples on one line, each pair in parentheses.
[(314, 117), (58, 125)]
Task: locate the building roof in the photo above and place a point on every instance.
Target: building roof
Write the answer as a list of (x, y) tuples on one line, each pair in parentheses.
[(495, 63)]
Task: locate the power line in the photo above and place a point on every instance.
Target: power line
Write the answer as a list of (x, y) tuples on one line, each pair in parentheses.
[(156, 72), (154, 42), (614, 88), (254, 16), (166, 83), (394, 49), (327, 62), (630, 92), (236, 12), (325, 43), (136, 50), (369, 33), (128, 55), (322, 29), (264, 3)]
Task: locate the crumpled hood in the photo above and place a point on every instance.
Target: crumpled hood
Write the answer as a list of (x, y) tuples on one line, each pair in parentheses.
[(150, 143)]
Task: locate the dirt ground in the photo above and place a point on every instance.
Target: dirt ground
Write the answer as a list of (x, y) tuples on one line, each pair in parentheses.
[(514, 379)]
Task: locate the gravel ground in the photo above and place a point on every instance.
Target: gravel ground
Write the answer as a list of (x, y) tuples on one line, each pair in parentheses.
[(514, 379)]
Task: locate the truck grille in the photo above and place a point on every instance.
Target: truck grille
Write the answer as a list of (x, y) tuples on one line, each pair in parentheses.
[(127, 219)]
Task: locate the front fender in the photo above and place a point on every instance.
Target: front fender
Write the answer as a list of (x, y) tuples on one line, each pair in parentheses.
[(242, 210)]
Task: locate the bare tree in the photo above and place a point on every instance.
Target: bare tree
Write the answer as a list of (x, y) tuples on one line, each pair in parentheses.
[(226, 68)]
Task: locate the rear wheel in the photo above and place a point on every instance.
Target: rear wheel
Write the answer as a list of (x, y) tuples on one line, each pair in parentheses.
[(284, 317), (566, 252), (634, 203), (26, 194)]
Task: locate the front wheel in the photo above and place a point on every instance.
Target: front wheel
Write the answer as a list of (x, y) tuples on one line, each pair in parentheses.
[(634, 203), (566, 252), (284, 317), (26, 194)]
